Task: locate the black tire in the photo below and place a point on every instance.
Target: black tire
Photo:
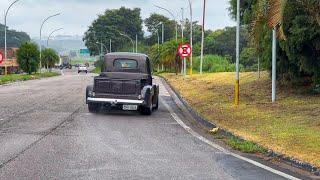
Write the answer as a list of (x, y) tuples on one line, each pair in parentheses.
[(93, 107), (156, 107), (145, 110)]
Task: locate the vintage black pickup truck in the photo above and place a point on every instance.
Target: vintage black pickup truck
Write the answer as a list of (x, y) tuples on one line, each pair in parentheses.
[(126, 83)]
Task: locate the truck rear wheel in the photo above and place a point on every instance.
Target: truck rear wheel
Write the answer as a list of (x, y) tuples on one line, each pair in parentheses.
[(156, 106), (93, 107), (145, 110)]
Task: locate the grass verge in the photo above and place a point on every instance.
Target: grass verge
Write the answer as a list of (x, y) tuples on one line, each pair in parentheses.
[(97, 70), (245, 146), (291, 126), (24, 77)]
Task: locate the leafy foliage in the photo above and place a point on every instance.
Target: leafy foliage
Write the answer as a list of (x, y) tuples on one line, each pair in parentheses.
[(49, 58), (298, 22), (214, 63), (14, 38), (109, 26), (28, 57), (153, 25), (249, 58), (223, 42)]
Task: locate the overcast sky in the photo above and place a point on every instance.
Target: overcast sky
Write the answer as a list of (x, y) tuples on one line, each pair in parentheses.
[(77, 15)]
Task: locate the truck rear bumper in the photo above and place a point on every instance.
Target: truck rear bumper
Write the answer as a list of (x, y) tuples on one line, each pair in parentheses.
[(115, 101)]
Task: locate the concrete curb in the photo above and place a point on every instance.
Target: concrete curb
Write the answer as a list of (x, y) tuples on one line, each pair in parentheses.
[(209, 125)]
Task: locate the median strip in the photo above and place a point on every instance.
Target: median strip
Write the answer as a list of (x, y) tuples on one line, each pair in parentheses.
[(5, 79)]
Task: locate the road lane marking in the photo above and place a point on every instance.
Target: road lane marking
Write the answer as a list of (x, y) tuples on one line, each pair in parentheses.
[(216, 146)]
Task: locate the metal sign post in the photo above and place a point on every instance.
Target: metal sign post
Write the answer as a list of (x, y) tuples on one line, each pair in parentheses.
[(1, 57), (184, 52)]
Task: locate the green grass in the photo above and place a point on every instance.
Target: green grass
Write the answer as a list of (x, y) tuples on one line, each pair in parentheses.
[(213, 63), (290, 126), (24, 77), (245, 146), (97, 70), (82, 61)]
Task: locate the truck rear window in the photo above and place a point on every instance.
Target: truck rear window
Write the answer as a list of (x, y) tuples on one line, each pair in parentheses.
[(125, 64)]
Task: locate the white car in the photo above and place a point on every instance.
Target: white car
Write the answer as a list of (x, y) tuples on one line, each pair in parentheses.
[(82, 68)]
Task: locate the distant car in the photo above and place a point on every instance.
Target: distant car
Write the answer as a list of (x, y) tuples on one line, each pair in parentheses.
[(125, 82), (82, 68)]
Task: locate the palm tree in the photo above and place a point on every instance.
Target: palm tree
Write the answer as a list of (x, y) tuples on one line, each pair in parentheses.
[(270, 12)]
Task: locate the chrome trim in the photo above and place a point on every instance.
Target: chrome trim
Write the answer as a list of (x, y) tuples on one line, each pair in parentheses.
[(115, 101)]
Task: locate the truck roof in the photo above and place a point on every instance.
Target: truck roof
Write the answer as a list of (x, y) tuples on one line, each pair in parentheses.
[(125, 54)]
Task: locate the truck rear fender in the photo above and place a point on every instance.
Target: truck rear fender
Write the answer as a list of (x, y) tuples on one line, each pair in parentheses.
[(147, 93)]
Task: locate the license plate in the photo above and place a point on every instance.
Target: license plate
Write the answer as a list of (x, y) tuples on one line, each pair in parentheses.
[(130, 107)]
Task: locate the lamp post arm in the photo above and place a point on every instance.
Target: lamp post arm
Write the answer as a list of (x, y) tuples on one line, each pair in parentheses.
[(51, 35)]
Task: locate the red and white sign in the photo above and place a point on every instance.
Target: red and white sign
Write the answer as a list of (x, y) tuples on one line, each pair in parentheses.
[(1, 57), (184, 50)]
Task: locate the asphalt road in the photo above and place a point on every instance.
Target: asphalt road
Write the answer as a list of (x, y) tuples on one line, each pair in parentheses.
[(46, 132)]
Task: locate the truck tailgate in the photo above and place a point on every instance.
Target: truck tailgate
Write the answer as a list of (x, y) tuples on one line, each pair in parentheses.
[(117, 86)]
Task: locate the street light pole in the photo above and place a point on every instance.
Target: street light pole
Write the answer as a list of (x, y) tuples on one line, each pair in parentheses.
[(173, 16), (5, 36), (237, 86), (202, 36), (128, 38), (45, 20), (51, 34), (105, 47)]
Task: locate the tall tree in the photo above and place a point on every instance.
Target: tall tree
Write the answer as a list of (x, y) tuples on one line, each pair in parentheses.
[(222, 42), (152, 24), (28, 57), (109, 26)]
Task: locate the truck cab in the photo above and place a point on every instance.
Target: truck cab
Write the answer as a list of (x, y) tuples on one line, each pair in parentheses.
[(125, 82)]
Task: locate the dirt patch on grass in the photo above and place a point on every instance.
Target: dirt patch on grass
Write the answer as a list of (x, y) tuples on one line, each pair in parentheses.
[(291, 126)]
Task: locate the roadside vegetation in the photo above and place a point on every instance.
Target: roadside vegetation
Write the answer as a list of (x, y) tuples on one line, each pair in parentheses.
[(291, 126), (97, 70), (5, 79), (245, 146)]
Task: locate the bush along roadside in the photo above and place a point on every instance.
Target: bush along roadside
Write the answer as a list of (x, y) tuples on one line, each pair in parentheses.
[(5, 79)]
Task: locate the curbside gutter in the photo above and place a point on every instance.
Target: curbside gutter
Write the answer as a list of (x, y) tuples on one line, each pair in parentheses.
[(209, 126)]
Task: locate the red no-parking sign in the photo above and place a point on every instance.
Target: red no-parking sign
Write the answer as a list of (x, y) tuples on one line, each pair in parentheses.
[(1, 57), (184, 50)]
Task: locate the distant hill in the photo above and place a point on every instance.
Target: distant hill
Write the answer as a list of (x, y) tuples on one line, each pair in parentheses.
[(14, 38), (63, 43)]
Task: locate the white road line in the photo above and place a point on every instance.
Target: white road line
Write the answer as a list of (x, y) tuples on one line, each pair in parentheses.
[(205, 140)]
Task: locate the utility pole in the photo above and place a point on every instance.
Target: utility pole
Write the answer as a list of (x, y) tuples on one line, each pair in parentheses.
[(162, 68), (110, 44), (202, 36), (101, 50), (191, 35), (5, 37), (158, 41), (274, 64), (237, 86), (136, 43), (184, 59), (259, 74)]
